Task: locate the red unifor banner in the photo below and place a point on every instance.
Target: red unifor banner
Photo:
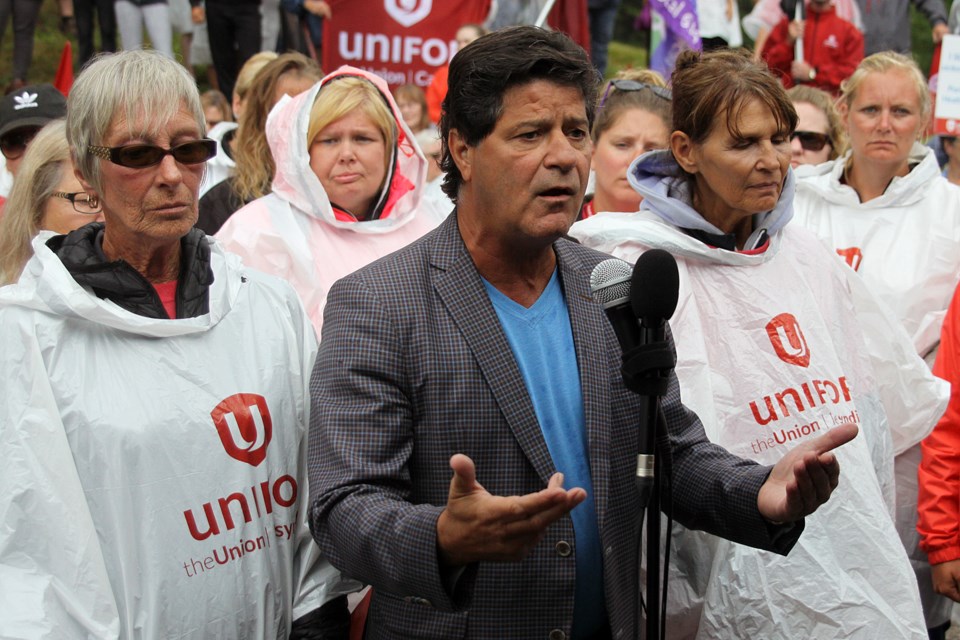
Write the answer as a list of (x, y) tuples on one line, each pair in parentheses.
[(402, 41)]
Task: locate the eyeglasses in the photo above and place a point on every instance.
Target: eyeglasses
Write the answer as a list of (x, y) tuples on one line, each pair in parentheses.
[(15, 143), (141, 156), (811, 140), (82, 202), (622, 84)]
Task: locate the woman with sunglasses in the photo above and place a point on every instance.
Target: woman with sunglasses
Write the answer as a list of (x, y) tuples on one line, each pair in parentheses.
[(46, 196), (348, 188), (155, 401), (22, 114), (887, 210), (819, 135), (633, 117), (776, 342)]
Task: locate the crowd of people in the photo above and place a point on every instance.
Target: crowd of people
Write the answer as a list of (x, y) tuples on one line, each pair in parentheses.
[(268, 347)]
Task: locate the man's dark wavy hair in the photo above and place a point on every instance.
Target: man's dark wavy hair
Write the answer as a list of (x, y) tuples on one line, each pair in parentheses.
[(483, 71)]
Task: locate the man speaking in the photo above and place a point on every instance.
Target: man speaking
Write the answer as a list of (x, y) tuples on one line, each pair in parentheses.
[(465, 380)]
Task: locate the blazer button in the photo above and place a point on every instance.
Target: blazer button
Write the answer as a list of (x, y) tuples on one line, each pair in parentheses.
[(417, 600), (557, 634), (563, 550)]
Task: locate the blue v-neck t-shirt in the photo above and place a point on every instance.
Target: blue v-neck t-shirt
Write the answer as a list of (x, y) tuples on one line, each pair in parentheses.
[(541, 339)]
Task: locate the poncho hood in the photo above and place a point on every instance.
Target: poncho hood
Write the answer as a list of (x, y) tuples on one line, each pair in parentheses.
[(666, 193), (287, 127), (825, 181), (47, 285)]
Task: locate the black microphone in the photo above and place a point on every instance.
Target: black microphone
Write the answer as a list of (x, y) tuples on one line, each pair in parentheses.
[(654, 290)]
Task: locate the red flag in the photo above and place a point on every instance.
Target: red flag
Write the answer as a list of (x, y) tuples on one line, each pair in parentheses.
[(64, 78), (402, 41), (936, 125), (570, 17)]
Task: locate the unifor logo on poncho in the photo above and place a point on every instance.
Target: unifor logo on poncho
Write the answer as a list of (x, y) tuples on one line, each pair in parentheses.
[(245, 429), (244, 425), (788, 340)]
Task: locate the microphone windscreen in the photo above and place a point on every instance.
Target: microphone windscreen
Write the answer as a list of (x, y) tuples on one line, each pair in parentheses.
[(610, 282), (655, 287)]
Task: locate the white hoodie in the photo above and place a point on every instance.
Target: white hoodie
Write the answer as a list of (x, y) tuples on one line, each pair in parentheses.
[(154, 471), (905, 244), (772, 349), (294, 233)]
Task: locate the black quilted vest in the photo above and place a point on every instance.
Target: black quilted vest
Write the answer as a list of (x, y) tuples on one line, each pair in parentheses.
[(82, 255)]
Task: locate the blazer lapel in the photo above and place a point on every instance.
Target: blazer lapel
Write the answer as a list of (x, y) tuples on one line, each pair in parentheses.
[(590, 341), (461, 289)]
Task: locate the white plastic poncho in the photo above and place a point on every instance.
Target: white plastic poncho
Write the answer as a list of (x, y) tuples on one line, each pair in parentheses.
[(772, 350), (154, 481), (294, 232), (904, 244)]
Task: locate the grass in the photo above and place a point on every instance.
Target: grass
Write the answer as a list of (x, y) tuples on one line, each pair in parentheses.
[(622, 55), (48, 44), (627, 51)]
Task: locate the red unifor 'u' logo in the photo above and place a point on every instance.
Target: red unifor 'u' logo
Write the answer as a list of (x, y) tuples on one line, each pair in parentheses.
[(853, 257), (788, 340), (408, 12), (244, 425)]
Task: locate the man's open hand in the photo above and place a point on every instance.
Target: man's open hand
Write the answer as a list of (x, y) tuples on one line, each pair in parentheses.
[(804, 478), (477, 526)]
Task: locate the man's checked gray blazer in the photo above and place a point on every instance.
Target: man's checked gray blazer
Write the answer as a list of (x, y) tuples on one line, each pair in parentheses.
[(414, 367)]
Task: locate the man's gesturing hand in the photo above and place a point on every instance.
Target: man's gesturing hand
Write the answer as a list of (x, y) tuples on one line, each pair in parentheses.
[(804, 478), (477, 526)]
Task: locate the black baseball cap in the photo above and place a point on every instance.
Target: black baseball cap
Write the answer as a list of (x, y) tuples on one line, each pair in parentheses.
[(31, 106)]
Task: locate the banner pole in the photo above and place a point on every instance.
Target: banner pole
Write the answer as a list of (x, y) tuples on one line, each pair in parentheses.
[(542, 18)]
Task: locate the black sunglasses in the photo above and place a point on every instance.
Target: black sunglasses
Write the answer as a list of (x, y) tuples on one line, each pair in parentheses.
[(13, 144), (810, 140), (622, 84), (140, 156)]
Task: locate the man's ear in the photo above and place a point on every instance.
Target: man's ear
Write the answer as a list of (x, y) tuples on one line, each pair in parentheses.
[(684, 151), (461, 153)]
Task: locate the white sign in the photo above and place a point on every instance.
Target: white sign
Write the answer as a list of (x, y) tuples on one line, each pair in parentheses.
[(947, 109)]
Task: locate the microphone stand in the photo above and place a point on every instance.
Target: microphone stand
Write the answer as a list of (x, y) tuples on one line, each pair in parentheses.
[(653, 627), (646, 370)]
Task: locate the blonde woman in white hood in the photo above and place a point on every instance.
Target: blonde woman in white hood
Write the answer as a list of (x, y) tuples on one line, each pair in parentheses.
[(347, 189)]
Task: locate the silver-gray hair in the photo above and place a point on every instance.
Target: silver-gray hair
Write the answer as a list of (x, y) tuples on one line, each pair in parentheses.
[(133, 85)]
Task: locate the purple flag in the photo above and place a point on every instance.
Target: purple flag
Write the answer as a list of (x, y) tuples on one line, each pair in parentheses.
[(682, 31)]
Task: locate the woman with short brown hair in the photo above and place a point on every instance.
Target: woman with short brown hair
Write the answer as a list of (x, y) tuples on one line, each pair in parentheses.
[(775, 343)]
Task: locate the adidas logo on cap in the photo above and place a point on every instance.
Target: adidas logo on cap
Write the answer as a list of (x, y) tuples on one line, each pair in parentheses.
[(25, 100)]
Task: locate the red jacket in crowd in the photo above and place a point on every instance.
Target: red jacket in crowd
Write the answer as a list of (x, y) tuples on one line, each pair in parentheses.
[(939, 473), (833, 46)]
